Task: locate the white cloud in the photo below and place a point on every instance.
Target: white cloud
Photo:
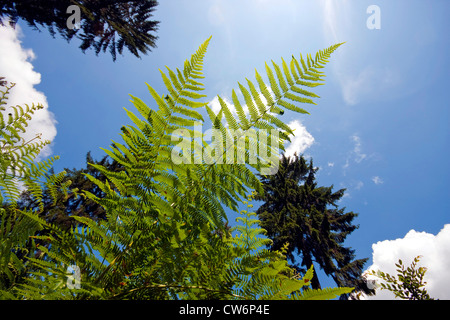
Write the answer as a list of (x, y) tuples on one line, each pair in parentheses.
[(301, 141), (15, 66), (356, 154), (331, 164), (377, 180), (359, 156), (435, 252)]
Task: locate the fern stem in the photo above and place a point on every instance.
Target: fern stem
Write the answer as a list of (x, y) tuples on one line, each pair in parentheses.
[(10, 150)]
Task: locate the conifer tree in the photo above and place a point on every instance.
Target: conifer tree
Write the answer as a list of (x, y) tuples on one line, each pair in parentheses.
[(104, 24), (298, 212)]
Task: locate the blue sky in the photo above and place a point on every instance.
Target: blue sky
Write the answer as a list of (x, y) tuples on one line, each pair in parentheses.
[(380, 128)]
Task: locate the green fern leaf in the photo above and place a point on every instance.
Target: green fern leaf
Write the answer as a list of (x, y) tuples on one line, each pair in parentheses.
[(323, 294)]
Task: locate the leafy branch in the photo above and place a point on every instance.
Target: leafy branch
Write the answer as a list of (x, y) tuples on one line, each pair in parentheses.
[(409, 283)]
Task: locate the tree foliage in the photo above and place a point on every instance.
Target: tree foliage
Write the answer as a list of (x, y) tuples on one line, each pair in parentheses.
[(64, 207), (19, 169), (166, 233), (306, 217), (409, 283), (113, 24)]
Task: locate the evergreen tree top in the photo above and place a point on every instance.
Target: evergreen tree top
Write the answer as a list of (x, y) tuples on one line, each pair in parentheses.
[(104, 24)]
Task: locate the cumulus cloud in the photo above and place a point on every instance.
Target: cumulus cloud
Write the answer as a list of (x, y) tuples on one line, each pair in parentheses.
[(435, 252), (16, 67), (301, 141)]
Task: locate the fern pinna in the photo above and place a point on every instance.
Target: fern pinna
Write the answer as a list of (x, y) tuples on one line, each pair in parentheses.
[(19, 171), (166, 234)]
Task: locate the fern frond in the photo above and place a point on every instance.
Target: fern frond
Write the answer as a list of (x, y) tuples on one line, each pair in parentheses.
[(166, 235), (322, 294)]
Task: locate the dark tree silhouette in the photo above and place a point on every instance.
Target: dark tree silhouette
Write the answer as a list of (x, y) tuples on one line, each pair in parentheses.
[(298, 212), (104, 24)]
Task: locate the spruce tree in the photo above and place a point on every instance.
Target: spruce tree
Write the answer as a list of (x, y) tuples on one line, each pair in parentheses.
[(298, 212), (104, 24)]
